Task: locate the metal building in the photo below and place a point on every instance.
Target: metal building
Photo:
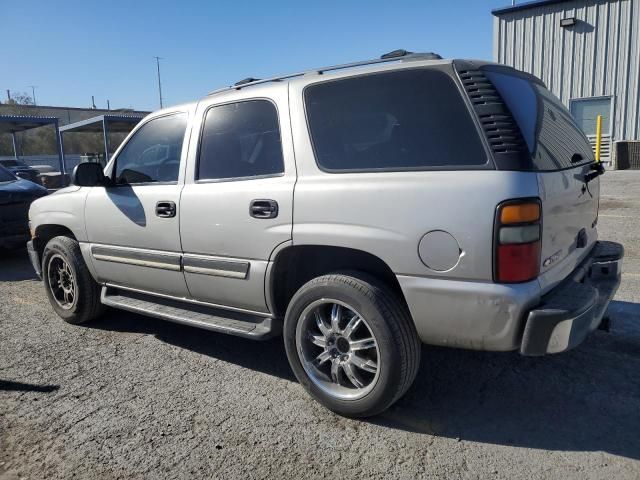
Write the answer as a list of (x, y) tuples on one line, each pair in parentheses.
[(587, 52)]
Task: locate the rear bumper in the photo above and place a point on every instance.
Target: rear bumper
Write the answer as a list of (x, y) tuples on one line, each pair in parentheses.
[(573, 309), (504, 317)]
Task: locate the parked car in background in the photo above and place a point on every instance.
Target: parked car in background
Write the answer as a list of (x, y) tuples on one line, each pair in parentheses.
[(358, 210), (21, 169), (16, 195)]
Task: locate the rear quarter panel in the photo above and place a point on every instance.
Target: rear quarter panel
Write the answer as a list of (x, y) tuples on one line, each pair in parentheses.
[(387, 213)]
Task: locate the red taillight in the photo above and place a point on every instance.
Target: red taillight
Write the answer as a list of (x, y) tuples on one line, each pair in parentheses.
[(517, 242), (519, 262)]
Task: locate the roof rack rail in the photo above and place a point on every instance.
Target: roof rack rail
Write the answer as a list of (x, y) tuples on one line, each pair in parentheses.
[(396, 55)]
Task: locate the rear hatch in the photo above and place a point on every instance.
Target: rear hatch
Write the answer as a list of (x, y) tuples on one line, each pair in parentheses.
[(537, 134)]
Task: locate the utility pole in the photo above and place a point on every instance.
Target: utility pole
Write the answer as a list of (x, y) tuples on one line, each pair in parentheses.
[(33, 93), (159, 83)]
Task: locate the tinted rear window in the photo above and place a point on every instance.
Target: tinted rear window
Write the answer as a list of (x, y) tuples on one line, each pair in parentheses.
[(240, 140), (553, 138), (411, 119)]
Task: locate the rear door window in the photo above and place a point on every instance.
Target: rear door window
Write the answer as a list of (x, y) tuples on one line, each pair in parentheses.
[(554, 140), (403, 120), (240, 140)]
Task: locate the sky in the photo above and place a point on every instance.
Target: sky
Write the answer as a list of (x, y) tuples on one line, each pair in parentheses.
[(74, 49)]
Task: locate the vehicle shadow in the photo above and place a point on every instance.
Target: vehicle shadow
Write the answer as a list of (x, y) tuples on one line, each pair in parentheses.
[(15, 266), (267, 357), (584, 400)]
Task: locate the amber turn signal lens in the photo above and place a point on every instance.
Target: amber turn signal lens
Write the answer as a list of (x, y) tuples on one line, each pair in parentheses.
[(521, 213)]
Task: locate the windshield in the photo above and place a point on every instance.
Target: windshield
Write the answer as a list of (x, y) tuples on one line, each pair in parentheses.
[(6, 175), (554, 140)]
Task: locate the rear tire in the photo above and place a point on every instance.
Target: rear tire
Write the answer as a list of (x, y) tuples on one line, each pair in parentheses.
[(72, 291), (355, 372)]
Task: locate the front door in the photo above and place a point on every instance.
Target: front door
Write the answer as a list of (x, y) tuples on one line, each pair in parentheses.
[(237, 203), (133, 225)]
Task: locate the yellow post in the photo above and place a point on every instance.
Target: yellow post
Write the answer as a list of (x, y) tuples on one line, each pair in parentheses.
[(598, 136)]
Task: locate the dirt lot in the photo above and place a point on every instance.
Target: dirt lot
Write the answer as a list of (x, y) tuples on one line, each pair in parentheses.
[(133, 397)]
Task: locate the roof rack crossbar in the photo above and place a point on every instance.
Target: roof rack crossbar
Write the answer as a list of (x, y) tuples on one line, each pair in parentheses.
[(395, 56)]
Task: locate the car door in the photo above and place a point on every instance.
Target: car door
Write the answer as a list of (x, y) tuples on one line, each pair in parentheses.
[(237, 203), (133, 225)]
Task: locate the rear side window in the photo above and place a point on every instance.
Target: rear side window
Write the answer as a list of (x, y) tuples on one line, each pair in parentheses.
[(553, 138), (411, 119), (240, 140)]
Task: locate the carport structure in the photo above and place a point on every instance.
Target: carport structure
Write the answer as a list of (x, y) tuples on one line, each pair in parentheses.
[(109, 123), (13, 124)]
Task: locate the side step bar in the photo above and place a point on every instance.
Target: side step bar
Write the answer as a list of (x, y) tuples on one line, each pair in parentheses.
[(217, 320)]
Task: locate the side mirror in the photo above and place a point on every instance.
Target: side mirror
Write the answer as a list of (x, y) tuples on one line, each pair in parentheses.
[(22, 175), (88, 175)]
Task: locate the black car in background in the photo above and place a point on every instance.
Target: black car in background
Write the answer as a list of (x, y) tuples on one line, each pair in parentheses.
[(21, 169), (16, 194)]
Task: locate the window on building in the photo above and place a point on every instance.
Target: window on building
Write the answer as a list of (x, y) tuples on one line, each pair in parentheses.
[(586, 111)]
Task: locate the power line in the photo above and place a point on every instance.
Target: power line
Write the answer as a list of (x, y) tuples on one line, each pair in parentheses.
[(159, 82)]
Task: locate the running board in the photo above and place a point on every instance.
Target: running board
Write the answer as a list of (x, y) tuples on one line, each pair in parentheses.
[(217, 320)]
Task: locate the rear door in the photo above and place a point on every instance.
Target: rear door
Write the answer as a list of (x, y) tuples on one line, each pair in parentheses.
[(562, 157), (237, 203)]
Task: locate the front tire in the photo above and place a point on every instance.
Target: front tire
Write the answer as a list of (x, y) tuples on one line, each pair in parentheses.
[(72, 291), (351, 343)]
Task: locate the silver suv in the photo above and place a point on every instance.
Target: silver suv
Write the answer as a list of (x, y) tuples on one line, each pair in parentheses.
[(358, 210)]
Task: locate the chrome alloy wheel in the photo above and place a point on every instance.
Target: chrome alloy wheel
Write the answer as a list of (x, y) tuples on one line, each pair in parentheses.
[(62, 282), (337, 349)]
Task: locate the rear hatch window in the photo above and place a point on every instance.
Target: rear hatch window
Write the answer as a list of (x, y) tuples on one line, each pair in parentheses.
[(414, 119), (547, 141), (553, 139)]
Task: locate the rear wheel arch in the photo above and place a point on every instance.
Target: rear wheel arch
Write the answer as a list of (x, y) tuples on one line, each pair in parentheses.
[(295, 265)]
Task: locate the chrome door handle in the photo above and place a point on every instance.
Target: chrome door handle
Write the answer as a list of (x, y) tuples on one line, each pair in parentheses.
[(165, 209), (262, 208)]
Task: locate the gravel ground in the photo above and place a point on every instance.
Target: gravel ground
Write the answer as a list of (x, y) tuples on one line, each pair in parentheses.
[(132, 397)]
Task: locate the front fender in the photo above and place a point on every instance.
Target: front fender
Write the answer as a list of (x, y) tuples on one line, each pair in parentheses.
[(63, 209)]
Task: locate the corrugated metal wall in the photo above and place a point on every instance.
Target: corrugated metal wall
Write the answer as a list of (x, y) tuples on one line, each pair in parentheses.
[(598, 56)]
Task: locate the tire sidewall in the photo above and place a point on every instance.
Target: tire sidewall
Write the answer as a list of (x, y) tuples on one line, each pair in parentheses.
[(57, 247), (389, 378)]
